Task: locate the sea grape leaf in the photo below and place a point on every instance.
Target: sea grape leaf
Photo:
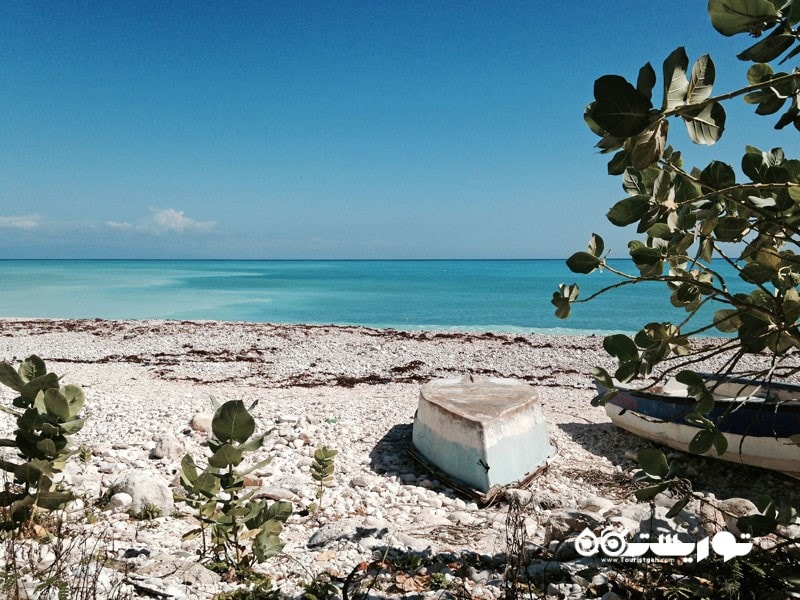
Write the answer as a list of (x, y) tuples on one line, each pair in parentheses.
[(646, 81), (730, 17), (731, 229), (583, 262), (621, 347), (678, 507), (718, 175), (650, 145), (653, 462), (720, 443), (756, 525), (651, 492), (702, 81), (676, 86), (596, 245), (619, 108), (701, 442), (769, 48), (628, 210), (705, 124)]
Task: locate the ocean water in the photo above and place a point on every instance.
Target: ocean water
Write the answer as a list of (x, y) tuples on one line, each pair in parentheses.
[(471, 295)]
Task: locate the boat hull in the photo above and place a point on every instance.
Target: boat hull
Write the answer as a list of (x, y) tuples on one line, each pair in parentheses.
[(757, 428)]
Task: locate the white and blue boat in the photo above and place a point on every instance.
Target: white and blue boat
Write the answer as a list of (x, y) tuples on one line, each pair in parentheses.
[(758, 418)]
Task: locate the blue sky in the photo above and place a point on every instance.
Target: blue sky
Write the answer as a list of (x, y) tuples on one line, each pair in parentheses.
[(380, 129)]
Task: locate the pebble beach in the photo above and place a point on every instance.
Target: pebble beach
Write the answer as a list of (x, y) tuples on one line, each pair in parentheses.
[(354, 389)]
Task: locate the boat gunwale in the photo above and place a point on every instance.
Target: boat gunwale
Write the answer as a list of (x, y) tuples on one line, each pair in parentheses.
[(787, 405)]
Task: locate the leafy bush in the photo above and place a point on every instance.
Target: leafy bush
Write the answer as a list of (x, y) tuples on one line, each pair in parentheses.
[(690, 220), (228, 514), (322, 470), (46, 415)]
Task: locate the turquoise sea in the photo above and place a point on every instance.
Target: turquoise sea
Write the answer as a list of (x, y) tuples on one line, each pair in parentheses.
[(485, 295)]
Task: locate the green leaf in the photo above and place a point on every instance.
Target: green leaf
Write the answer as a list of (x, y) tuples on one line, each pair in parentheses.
[(756, 525), (730, 17), (71, 427), (754, 164), (678, 507), (225, 456), (702, 81), (280, 511), (758, 73), (259, 465), (38, 384), (56, 404), (47, 447), (590, 122), (253, 443), (690, 379), (602, 377), (563, 298), (596, 245), (731, 229), (31, 368), (649, 145), (34, 471), (718, 175), (705, 124), (52, 500), (266, 545), (646, 81), (701, 442), (720, 443), (583, 262), (605, 397), (629, 210), (10, 378), (563, 306), (770, 48), (650, 261), (75, 398), (676, 86), (232, 422), (621, 347), (757, 273), (653, 462), (188, 470), (619, 108), (627, 371), (651, 492)]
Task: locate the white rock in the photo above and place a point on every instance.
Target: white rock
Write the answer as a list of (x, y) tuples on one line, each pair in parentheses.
[(167, 446), (597, 504), (201, 422), (146, 490), (120, 502)]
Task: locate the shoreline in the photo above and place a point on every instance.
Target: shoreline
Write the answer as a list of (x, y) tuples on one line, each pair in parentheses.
[(354, 389), (458, 329)]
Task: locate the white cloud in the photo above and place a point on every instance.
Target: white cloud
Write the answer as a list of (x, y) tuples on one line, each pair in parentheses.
[(20, 222), (118, 225), (168, 219), (163, 220)]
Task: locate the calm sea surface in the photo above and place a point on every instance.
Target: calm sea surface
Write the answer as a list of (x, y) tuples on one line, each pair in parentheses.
[(490, 295)]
